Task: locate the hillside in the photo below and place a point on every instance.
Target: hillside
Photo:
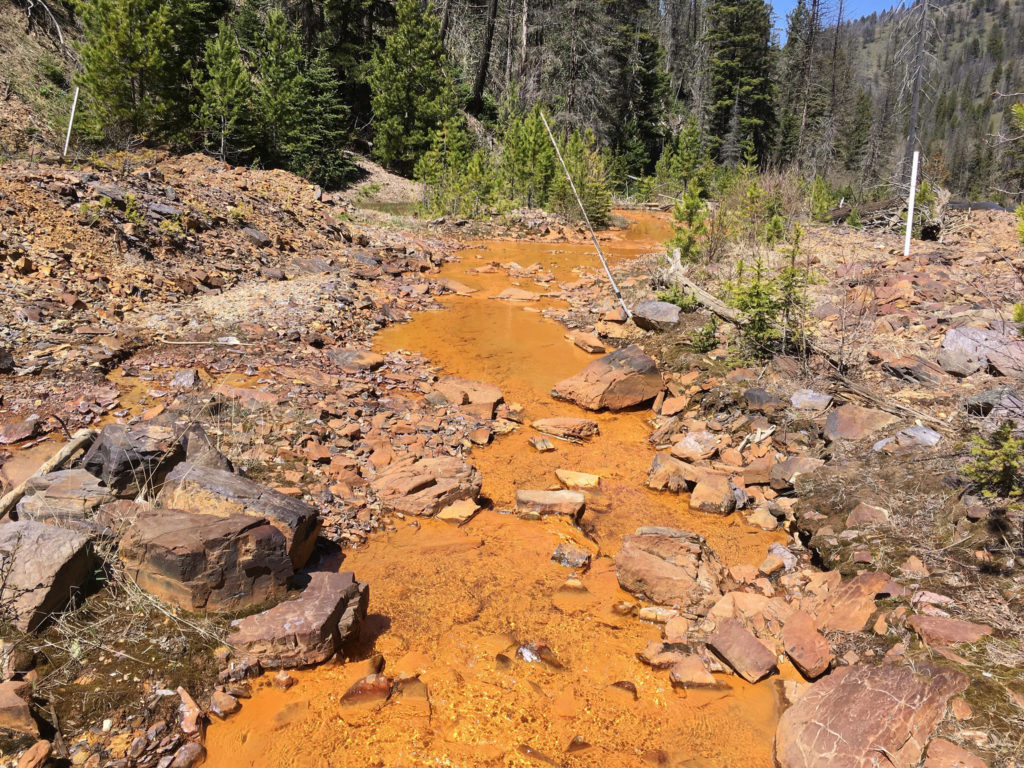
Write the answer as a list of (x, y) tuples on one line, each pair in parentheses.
[(976, 53)]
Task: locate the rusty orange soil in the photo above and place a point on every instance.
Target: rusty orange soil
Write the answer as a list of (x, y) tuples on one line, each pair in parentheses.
[(453, 604)]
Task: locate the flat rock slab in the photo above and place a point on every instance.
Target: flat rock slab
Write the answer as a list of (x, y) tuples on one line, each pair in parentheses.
[(784, 473), (130, 459), (738, 648), (307, 630), (568, 428), (713, 496), (49, 568), (852, 422), (805, 645), (939, 630), (576, 481), (656, 315), (533, 505), (861, 716), (620, 379), (946, 754), (212, 491), (690, 672), (426, 486), (19, 431), (667, 473), (459, 391), (202, 562), (966, 350), (849, 606), (669, 566), (70, 494)]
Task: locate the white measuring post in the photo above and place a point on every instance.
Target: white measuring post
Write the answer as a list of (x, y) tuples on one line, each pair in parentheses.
[(910, 205), (71, 120)]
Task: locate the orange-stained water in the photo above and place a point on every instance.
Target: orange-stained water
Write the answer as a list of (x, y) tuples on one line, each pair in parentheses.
[(453, 604)]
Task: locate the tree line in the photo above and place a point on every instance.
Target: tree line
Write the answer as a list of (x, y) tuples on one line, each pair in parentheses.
[(453, 92)]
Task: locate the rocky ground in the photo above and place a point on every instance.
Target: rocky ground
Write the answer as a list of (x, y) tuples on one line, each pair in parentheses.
[(205, 333)]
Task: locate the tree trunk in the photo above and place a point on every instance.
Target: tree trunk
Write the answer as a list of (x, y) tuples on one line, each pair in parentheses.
[(915, 102), (476, 100), (446, 17)]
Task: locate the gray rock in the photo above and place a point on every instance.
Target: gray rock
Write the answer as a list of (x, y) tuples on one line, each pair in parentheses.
[(966, 347), (6, 361), (66, 496), (809, 400), (256, 237), (656, 316), (130, 459), (910, 437), (571, 556), (47, 568)]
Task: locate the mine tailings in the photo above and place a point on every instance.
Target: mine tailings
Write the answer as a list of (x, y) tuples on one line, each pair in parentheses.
[(503, 655)]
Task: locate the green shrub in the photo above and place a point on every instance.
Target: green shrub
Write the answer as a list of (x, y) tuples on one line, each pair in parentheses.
[(997, 462), (132, 211), (1020, 223), (675, 295), (689, 226), (705, 338)]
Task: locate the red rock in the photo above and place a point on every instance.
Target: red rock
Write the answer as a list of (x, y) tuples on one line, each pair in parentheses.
[(223, 704), (36, 755), (15, 712), (189, 756), (537, 504), (850, 605), (690, 672), (201, 562), (368, 691), (863, 716), (938, 630), (426, 486), (805, 645), (784, 473), (618, 380), (307, 630), (946, 754), (573, 429), (696, 446), (212, 491), (670, 567), (852, 422), (866, 515), (713, 496), (19, 431), (667, 473), (283, 680), (747, 655), (468, 392), (588, 342), (674, 405)]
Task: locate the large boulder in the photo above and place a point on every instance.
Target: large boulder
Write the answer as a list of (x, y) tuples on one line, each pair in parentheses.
[(212, 491), (861, 716), (47, 568), (426, 486), (130, 459), (656, 315), (201, 562), (852, 422), (69, 496), (671, 567), (307, 630), (618, 380)]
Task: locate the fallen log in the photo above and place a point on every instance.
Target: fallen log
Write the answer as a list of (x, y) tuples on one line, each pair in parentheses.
[(81, 440), (711, 302)]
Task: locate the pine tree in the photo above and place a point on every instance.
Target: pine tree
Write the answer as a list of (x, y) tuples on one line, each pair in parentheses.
[(527, 160), (319, 152), (741, 91), (683, 160), (587, 168), (443, 169), (411, 93), (134, 62), (690, 226), (226, 93), (281, 95)]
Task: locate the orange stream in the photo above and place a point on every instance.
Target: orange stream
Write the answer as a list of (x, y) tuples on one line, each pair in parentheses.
[(451, 604)]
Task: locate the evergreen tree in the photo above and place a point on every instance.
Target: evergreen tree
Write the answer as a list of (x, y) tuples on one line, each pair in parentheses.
[(587, 168), (354, 32), (741, 91), (442, 168), (527, 160), (281, 89), (690, 225), (319, 152), (685, 160), (226, 94), (134, 60), (411, 94)]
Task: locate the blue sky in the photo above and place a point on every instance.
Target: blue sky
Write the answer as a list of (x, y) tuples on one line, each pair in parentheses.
[(852, 9)]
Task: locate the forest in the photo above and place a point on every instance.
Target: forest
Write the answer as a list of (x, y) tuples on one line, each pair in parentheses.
[(648, 100)]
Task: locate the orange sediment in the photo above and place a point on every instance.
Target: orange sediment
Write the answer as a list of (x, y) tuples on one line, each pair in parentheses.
[(452, 605)]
